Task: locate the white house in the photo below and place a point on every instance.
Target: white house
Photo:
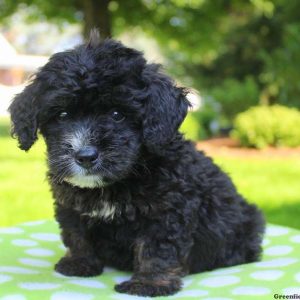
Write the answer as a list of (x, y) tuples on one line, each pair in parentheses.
[(14, 70)]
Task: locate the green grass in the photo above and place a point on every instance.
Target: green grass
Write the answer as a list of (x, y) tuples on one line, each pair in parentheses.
[(24, 192), (273, 184)]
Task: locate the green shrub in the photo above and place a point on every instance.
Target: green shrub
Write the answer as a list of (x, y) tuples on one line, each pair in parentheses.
[(206, 115), (192, 128), (262, 126), (236, 96)]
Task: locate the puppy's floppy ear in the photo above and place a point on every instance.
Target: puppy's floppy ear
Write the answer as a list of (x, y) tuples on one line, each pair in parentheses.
[(165, 108), (23, 111)]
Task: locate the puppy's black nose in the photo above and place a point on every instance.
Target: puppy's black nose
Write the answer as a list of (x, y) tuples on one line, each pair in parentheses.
[(86, 157)]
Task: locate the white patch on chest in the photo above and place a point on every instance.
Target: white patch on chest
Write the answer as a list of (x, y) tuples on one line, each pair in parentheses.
[(107, 212)]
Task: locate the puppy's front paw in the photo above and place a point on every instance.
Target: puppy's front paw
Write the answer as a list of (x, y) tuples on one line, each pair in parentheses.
[(149, 288), (79, 266)]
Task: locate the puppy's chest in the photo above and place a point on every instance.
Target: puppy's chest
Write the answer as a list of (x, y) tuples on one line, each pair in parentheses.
[(102, 210), (107, 208)]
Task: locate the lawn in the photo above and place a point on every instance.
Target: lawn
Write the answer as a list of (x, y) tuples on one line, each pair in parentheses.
[(273, 184), (24, 192)]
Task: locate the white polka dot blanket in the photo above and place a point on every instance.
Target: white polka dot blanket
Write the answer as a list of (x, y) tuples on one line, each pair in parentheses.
[(29, 251)]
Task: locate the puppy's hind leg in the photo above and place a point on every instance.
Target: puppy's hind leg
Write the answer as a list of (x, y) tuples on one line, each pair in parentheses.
[(159, 262), (248, 248)]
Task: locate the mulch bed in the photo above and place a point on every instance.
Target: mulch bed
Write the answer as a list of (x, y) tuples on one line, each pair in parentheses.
[(230, 147)]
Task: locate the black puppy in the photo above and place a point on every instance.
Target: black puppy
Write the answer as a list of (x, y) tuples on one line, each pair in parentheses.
[(129, 191)]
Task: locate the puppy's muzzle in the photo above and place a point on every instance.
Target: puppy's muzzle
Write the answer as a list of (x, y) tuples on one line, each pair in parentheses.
[(87, 157)]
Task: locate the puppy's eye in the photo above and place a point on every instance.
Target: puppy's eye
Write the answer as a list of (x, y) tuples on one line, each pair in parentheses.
[(62, 115), (117, 116)]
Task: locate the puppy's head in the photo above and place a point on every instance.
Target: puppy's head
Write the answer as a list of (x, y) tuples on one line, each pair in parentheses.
[(98, 106)]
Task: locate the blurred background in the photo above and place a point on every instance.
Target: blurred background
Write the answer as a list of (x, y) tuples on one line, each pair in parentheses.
[(241, 59)]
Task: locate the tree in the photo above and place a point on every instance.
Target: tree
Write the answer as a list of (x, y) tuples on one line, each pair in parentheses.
[(92, 13), (221, 47), (97, 14)]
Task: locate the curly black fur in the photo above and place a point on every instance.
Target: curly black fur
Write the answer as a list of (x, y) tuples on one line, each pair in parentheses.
[(150, 202)]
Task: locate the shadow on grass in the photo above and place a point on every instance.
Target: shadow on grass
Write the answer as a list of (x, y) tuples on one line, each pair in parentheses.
[(286, 215)]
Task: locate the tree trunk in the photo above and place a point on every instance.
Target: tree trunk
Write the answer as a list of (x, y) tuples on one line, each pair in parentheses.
[(97, 15)]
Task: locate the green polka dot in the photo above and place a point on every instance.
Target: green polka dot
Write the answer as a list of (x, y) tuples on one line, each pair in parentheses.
[(13, 297), (5, 278), (269, 275), (278, 250), (30, 250), (219, 281), (251, 291)]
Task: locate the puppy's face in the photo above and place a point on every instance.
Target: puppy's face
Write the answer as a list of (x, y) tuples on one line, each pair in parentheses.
[(98, 107), (92, 145)]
